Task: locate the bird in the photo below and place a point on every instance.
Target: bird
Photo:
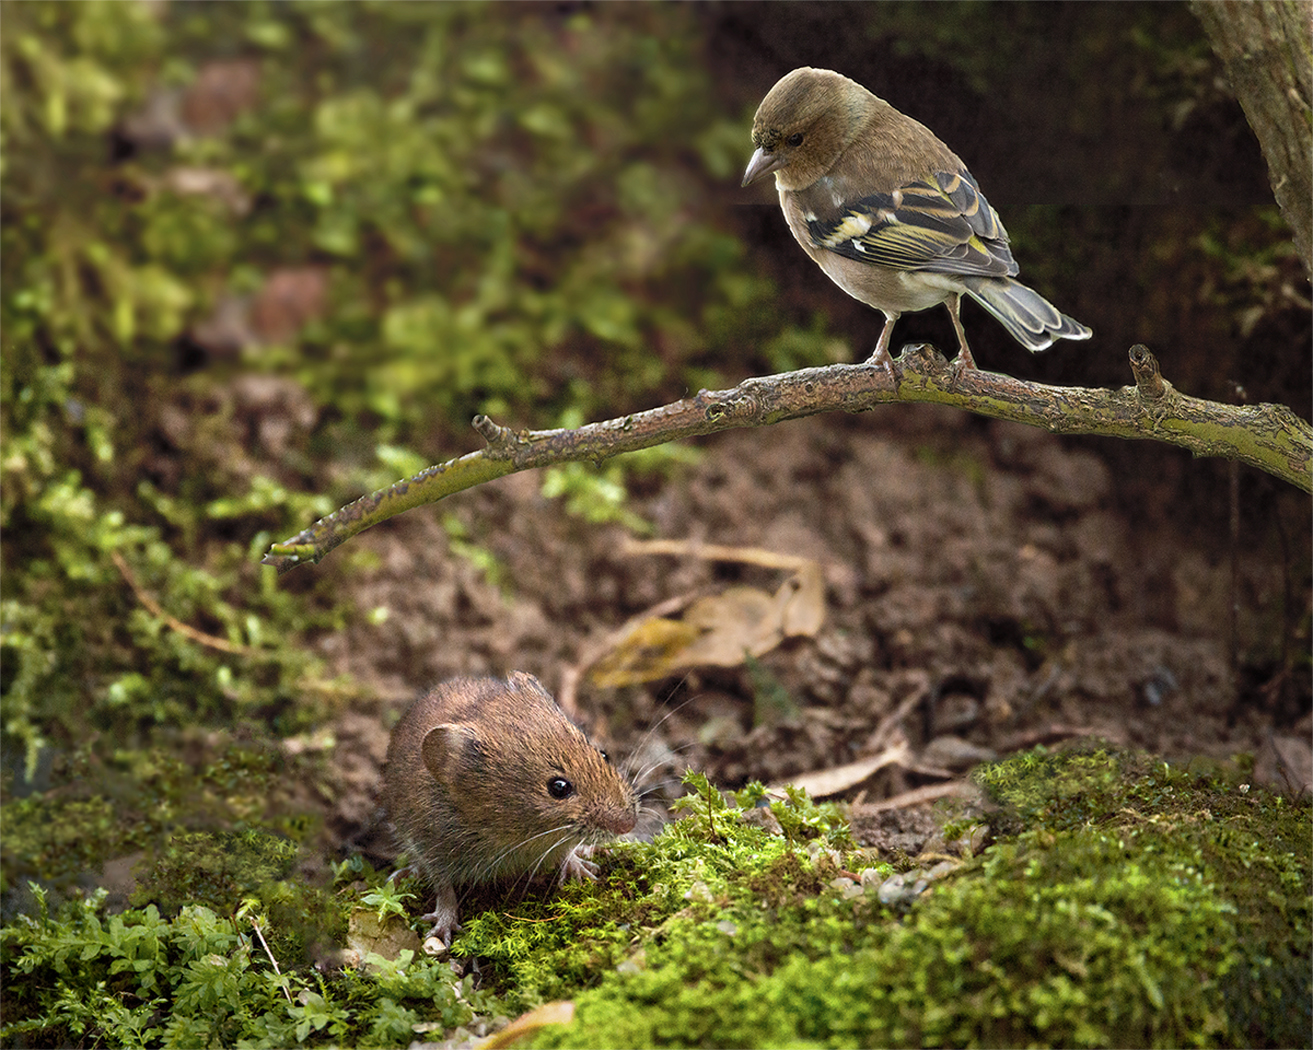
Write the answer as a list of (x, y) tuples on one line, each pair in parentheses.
[(890, 213)]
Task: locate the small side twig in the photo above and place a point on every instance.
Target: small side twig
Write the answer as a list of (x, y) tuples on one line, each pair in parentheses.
[(1148, 376), (265, 944), (1270, 437), (154, 608)]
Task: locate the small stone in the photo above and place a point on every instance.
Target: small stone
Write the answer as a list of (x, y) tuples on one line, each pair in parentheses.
[(699, 893)]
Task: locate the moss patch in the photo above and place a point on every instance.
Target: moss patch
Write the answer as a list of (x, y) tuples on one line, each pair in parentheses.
[(1124, 902), (1131, 904)]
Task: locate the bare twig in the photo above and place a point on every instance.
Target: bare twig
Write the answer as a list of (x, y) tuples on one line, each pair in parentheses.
[(186, 630), (1270, 437), (260, 933), (917, 797)]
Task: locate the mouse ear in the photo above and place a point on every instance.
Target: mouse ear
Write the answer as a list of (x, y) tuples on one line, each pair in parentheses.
[(443, 747)]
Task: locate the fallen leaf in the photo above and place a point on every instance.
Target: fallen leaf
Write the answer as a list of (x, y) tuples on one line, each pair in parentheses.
[(1296, 761), (644, 654), (802, 601), (822, 783), (719, 630), (526, 1025), (389, 939)]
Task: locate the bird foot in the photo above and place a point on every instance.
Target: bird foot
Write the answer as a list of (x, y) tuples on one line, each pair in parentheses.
[(881, 358), (960, 365)]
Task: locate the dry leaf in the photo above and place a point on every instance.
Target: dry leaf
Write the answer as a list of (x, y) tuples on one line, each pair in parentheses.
[(802, 601), (719, 630), (389, 939), (823, 783), (1296, 761), (526, 1025), (644, 654), (738, 620)]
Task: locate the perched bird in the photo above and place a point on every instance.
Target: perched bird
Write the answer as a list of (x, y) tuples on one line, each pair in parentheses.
[(889, 212)]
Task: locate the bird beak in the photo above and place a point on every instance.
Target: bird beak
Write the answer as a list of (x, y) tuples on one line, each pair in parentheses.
[(761, 165)]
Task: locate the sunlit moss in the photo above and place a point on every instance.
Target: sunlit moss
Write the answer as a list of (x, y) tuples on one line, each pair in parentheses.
[(1133, 904)]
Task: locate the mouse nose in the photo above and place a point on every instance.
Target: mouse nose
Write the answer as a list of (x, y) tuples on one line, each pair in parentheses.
[(621, 822)]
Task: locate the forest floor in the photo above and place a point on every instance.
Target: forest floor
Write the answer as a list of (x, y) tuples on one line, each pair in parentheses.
[(983, 594)]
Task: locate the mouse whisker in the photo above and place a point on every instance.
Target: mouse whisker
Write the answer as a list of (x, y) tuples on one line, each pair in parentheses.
[(492, 866), (647, 769), (648, 733)]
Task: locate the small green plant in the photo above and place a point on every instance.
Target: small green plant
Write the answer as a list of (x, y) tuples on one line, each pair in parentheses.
[(388, 899), (201, 978)]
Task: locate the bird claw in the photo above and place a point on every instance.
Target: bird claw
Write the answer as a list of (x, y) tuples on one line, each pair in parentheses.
[(881, 358), (960, 365)]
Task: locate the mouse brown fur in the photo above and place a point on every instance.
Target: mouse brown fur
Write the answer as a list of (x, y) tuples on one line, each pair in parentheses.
[(487, 778)]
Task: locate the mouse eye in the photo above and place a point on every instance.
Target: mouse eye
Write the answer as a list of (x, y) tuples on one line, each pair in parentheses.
[(795, 139), (559, 787), (604, 754)]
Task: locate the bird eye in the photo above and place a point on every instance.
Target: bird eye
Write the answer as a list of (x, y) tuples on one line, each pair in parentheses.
[(795, 139), (559, 788)]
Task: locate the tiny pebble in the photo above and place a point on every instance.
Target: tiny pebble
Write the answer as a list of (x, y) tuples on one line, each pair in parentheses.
[(698, 892)]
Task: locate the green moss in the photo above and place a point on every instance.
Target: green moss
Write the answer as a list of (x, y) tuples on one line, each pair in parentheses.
[(716, 865), (1125, 902), (140, 800), (208, 976), (1132, 904)]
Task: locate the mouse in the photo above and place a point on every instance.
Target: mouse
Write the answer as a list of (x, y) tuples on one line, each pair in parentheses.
[(486, 778)]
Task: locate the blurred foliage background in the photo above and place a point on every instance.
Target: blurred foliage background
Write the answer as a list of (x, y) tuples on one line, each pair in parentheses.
[(260, 258), (254, 254)]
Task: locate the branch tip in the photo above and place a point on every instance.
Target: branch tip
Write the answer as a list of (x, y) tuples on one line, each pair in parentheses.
[(488, 430), (1148, 374)]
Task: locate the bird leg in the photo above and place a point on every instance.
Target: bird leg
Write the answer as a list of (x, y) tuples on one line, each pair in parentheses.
[(880, 355), (964, 362)]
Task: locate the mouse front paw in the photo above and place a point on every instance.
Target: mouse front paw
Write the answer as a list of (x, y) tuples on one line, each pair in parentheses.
[(577, 866)]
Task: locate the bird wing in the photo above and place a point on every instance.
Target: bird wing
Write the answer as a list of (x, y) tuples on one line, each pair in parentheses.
[(942, 224)]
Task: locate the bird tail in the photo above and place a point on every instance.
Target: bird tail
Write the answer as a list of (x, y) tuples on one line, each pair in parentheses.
[(1033, 321)]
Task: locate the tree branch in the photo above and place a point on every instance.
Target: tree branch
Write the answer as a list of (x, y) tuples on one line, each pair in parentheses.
[(1270, 437), (1267, 49)]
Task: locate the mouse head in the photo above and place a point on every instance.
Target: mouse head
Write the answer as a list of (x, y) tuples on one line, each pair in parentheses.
[(518, 764)]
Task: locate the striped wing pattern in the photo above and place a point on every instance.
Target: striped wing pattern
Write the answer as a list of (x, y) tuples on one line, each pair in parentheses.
[(942, 224)]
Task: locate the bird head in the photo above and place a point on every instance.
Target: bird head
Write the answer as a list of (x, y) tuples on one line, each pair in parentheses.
[(803, 124)]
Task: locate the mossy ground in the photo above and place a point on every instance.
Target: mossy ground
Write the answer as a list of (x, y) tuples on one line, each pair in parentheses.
[(533, 215), (1124, 902)]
